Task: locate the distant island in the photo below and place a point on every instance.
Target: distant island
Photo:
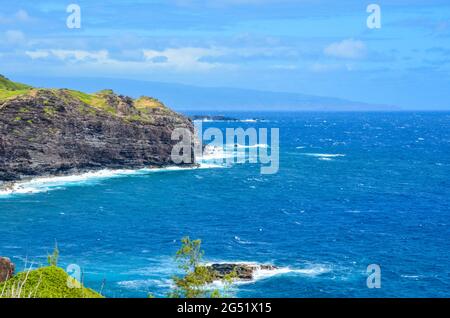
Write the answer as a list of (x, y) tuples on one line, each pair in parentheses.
[(63, 131), (221, 118)]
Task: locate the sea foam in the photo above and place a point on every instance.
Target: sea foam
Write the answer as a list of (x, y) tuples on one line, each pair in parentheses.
[(261, 274), (45, 184)]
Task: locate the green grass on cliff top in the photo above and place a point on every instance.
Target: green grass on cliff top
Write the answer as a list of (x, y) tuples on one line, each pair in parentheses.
[(45, 282), (6, 84), (95, 100), (99, 100), (10, 89)]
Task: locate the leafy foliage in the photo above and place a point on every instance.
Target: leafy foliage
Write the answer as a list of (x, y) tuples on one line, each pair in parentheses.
[(44, 282), (195, 283), (53, 258)]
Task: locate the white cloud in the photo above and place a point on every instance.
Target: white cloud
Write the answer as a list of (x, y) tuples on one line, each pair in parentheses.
[(347, 49), (188, 58), (288, 67), (14, 37), (19, 16), (70, 55), (37, 54), (22, 16), (182, 59), (174, 59), (323, 67)]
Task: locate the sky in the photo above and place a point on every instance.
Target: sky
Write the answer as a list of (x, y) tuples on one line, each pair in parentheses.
[(322, 48)]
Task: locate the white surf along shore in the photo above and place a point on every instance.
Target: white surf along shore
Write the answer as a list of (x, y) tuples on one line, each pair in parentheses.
[(213, 158), (45, 184), (261, 274), (164, 281)]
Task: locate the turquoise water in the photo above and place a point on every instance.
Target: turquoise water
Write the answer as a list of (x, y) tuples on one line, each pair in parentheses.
[(353, 189)]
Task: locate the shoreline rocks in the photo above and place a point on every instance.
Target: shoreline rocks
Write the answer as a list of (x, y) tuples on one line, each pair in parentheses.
[(7, 269), (242, 271), (54, 132)]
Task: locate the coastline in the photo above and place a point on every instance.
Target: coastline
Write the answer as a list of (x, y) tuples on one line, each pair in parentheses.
[(44, 183)]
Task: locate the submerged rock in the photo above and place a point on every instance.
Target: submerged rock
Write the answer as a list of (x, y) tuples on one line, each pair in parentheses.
[(241, 271), (6, 269), (61, 131)]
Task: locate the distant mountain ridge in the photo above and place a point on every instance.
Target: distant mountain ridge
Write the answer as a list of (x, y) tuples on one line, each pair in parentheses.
[(196, 98)]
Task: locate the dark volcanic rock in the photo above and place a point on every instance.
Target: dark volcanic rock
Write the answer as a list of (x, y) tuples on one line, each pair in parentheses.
[(6, 269), (242, 271), (213, 118), (56, 132)]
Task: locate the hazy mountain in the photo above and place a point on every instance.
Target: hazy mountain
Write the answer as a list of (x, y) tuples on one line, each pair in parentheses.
[(194, 98)]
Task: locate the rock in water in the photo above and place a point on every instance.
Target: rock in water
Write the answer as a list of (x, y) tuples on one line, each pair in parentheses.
[(242, 271), (62, 131), (6, 269)]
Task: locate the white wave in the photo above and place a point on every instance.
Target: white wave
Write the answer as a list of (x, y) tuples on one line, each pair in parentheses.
[(213, 153), (249, 120), (251, 146), (145, 283), (324, 155), (45, 184), (411, 276), (218, 154), (260, 274), (264, 273), (240, 241)]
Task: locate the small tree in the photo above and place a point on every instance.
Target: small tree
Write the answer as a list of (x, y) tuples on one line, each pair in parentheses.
[(53, 258), (197, 277)]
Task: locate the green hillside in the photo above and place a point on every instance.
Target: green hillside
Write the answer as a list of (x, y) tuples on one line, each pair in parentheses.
[(45, 282)]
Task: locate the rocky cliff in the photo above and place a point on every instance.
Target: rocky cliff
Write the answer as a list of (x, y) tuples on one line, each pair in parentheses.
[(62, 131)]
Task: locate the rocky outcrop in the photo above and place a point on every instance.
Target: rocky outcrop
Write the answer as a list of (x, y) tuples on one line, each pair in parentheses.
[(57, 132), (213, 118), (6, 269), (240, 271)]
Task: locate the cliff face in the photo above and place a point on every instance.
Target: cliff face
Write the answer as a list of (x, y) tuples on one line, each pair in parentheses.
[(54, 132)]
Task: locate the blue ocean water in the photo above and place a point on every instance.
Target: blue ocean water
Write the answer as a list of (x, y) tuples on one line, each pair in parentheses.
[(353, 189)]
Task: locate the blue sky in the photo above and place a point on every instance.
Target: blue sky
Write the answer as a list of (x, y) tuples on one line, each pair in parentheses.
[(313, 47)]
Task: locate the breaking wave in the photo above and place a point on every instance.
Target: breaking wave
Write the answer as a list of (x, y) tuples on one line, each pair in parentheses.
[(45, 184)]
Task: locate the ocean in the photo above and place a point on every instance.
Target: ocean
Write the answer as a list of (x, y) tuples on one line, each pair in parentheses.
[(353, 189)]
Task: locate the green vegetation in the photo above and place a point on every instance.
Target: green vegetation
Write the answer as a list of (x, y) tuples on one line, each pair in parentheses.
[(49, 111), (45, 282), (10, 89), (52, 259), (5, 94), (95, 100), (144, 103), (6, 84), (105, 100), (195, 283)]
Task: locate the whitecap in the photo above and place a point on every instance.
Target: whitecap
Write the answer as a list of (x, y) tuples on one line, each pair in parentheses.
[(145, 283), (240, 241), (261, 274), (239, 146), (324, 155), (411, 276), (45, 184)]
